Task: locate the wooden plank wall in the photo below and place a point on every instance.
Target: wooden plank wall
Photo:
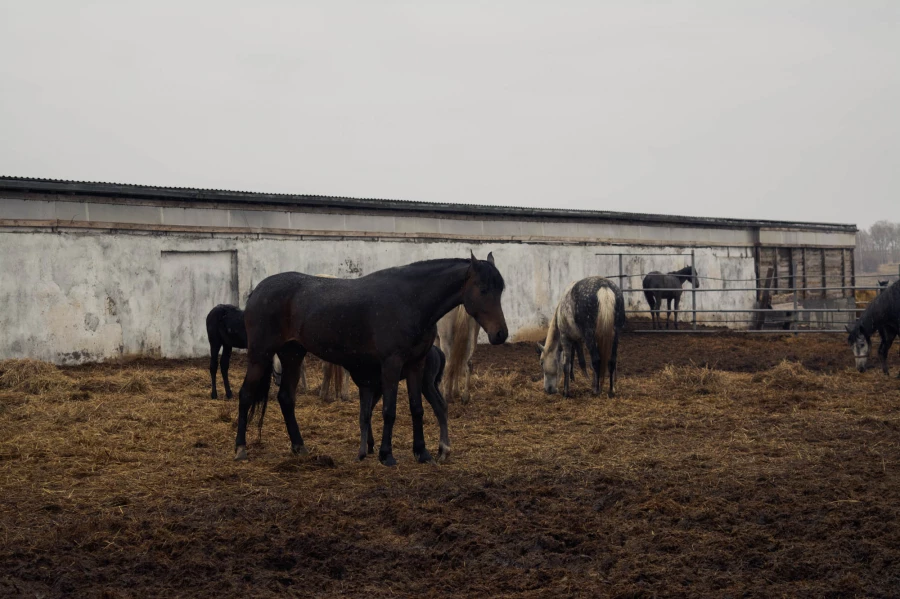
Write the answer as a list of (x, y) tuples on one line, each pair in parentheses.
[(809, 267)]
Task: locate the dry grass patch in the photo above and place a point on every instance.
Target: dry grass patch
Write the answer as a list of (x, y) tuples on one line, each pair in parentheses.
[(33, 377)]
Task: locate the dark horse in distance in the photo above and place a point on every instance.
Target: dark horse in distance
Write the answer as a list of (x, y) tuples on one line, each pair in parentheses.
[(881, 316), (379, 327), (225, 329), (659, 287)]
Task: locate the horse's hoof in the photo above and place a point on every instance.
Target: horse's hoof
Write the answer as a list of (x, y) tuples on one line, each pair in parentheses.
[(240, 454), (424, 457), (229, 395), (443, 453), (361, 456), (299, 450), (387, 460), (214, 395)]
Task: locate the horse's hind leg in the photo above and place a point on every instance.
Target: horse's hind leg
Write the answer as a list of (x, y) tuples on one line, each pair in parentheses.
[(253, 392), (327, 376), (213, 366), (345, 384), (677, 301), (226, 360), (414, 386), (302, 386), (612, 365), (291, 362)]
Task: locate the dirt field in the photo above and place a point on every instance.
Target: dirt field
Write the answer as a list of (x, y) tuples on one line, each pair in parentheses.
[(750, 478)]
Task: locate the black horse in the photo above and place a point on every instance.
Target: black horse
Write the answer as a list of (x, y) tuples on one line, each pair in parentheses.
[(882, 316), (225, 328), (659, 287), (379, 327)]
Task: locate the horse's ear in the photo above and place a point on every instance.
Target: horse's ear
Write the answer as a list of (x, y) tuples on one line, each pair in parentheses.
[(848, 328), (490, 257), (473, 259), (540, 349)]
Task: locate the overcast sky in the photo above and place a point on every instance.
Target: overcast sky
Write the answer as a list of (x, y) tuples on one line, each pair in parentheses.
[(781, 109)]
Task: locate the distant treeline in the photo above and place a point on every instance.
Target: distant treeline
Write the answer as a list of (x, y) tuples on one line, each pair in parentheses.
[(878, 245)]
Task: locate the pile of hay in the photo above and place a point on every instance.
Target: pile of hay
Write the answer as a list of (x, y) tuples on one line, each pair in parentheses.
[(789, 376), (699, 379), (33, 377)]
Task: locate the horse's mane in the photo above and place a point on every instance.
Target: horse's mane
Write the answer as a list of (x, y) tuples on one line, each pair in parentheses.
[(552, 339), (686, 271), (487, 272)]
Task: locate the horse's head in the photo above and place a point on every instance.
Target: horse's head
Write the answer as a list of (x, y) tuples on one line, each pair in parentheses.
[(481, 298), (860, 344), (882, 285), (695, 278), (551, 364)]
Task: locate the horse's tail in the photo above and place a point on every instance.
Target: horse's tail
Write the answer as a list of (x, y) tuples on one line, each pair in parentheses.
[(261, 401), (459, 348), (651, 299), (605, 330)]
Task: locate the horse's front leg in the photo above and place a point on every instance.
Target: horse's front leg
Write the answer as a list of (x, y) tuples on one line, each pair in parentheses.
[(414, 380), (390, 379), (887, 338), (366, 403), (433, 369), (291, 367)]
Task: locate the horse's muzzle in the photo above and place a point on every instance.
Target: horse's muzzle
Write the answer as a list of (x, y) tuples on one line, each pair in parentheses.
[(498, 337)]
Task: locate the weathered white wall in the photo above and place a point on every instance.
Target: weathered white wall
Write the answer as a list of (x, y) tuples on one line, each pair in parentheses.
[(73, 297)]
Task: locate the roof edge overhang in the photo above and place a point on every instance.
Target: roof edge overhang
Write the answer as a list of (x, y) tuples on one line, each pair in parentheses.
[(217, 196)]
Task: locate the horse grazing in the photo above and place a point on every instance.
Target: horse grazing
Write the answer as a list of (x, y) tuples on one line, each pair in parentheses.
[(225, 329), (379, 327), (457, 335), (882, 316), (659, 287), (591, 312)]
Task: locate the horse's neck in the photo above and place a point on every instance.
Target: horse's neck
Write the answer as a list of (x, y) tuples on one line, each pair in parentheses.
[(439, 289)]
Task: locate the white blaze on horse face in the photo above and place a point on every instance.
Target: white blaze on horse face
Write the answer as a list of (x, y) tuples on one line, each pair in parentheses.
[(860, 349), (550, 364)]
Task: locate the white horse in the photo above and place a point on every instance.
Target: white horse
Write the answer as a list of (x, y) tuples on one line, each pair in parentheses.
[(591, 312), (457, 336)]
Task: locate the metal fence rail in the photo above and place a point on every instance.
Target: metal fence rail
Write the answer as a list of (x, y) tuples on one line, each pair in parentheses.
[(826, 304)]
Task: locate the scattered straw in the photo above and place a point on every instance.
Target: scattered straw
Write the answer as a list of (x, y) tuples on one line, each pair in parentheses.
[(33, 377)]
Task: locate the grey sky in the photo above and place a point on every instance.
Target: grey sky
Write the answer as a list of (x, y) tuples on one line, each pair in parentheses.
[(759, 109)]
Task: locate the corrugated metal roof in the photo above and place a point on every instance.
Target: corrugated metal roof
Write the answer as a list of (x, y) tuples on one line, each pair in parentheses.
[(187, 194)]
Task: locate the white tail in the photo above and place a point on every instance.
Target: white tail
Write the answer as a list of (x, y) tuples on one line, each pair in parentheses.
[(605, 330)]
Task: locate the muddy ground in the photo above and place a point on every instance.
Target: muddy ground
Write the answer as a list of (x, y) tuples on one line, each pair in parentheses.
[(718, 471)]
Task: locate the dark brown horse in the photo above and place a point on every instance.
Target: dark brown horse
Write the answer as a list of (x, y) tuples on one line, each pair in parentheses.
[(379, 327), (225, 329)]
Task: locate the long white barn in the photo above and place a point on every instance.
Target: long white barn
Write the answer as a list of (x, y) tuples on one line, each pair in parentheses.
[(92, 271)]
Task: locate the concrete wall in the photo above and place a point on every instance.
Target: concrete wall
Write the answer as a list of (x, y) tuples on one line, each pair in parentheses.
[(77, 296)]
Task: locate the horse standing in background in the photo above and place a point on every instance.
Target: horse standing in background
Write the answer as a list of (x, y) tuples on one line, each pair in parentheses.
[(457, 336), (380, 327), (225, 329), (881, 316), (591, 312), (659, 287)]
